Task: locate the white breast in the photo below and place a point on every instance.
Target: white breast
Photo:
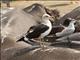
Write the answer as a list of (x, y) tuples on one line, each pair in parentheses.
[(48, 23)]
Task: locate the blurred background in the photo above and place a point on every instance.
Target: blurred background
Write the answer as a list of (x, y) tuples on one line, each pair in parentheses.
[(15, 22)]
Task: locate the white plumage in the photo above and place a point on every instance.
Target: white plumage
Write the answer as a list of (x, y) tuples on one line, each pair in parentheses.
[(47, 23)]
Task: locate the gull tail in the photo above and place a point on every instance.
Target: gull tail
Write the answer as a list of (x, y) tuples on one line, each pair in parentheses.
[(26, 40)]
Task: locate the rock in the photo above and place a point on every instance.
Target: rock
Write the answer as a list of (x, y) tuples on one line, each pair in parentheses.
[(74, 14), (37, 10), (48, 53), (73, 37)]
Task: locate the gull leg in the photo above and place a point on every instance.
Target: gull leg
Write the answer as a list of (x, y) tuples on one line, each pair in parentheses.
[(41, 42), (69, 42), (42, 45)]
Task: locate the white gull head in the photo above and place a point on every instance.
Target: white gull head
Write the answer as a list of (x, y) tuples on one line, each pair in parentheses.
[(46, 17), (72, 20), (46, 21)]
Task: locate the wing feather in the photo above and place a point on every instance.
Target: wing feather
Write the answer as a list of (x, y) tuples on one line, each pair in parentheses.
[(41, 28)]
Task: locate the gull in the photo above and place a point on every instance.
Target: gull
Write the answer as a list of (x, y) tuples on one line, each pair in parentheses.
[(67, 30), (39, 31)]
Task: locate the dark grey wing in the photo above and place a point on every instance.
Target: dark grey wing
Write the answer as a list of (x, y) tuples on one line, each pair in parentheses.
[(41, 28)]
